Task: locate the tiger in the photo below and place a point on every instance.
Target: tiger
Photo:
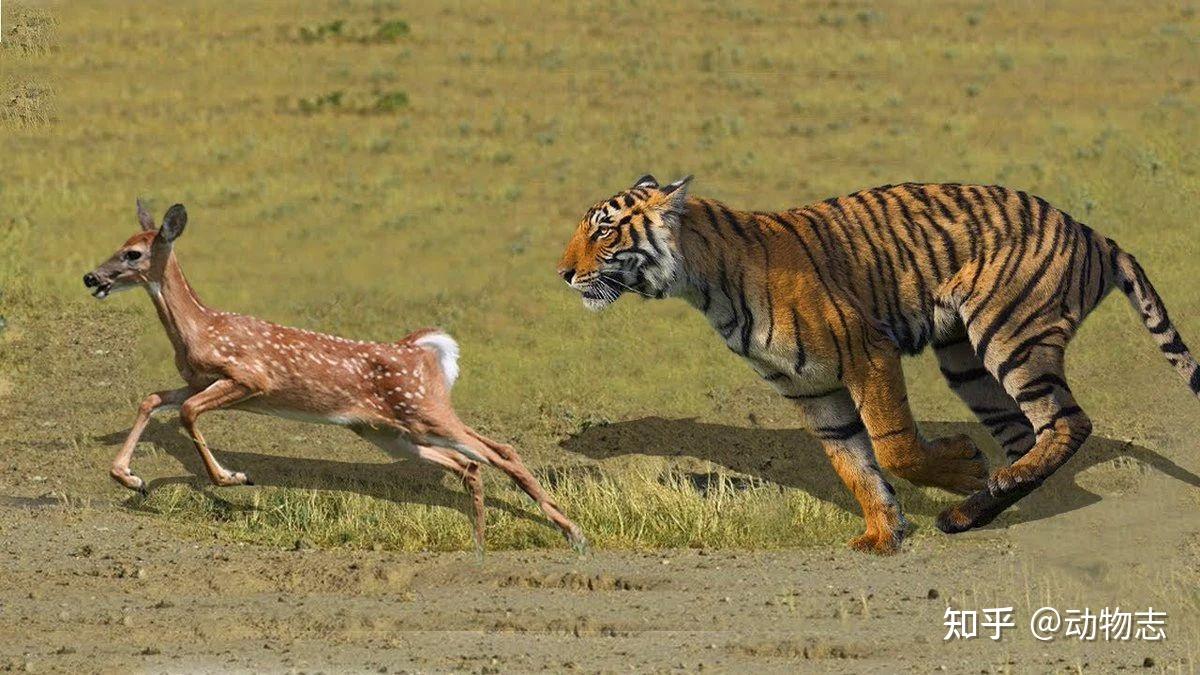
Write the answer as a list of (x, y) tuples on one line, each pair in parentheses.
[(823, 300)]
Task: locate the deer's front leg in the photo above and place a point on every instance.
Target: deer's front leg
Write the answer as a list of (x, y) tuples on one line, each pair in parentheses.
[(219, 394), (151, 404)]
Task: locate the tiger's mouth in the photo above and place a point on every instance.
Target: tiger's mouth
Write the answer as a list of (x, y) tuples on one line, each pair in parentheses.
[(599, 296)]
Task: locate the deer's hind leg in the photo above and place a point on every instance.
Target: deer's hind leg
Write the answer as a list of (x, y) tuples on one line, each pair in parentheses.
[(220, 394), (465, 469), (504, 457)]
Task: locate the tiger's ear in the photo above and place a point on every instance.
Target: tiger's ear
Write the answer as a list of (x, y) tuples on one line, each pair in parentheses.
[(677, 193), (646, 181)]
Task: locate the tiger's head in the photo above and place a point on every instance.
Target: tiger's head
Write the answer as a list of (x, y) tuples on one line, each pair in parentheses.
[(627, 243)]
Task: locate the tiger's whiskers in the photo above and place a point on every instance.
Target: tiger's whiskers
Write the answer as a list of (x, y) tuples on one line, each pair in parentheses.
[(625, 286)]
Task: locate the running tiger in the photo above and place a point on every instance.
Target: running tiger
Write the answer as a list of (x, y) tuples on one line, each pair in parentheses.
[(823, 300)]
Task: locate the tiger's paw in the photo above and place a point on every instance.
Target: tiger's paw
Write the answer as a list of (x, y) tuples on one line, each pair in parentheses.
[(954, 519), (956, 465), (1013, 478), (878, 543), (979, 509)]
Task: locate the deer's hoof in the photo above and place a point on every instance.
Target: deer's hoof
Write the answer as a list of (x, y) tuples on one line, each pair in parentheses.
[(577, 541), (232, 479), (129, 480)]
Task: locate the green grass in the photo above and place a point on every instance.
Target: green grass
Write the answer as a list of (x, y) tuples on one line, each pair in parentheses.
[(477, 137), (635, 507)]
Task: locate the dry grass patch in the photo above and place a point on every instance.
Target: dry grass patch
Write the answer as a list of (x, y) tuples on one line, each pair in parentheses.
[(26, 104), (29, 30)]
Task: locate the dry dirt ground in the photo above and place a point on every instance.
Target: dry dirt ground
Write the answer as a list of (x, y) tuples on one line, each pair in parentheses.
[(102, 587)]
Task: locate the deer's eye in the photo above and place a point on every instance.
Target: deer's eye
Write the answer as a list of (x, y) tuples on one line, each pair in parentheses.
[(130, 256)]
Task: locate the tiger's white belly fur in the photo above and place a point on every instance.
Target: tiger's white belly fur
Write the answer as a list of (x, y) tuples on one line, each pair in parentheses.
[(774, 360)]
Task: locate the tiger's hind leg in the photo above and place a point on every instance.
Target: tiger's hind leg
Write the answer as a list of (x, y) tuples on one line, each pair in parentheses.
[(1061, 428), (1021, 332), (976, 387)]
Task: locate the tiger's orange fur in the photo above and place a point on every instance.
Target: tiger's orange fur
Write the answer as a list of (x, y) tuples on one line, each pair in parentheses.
[(824, 299)]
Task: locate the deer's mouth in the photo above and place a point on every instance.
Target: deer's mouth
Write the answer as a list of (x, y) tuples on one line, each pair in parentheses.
[(101, 287)]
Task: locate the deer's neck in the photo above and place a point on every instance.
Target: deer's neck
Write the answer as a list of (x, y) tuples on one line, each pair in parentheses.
[(179, 308)]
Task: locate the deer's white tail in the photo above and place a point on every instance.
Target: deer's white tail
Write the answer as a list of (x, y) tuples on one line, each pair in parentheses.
[(447, 350)]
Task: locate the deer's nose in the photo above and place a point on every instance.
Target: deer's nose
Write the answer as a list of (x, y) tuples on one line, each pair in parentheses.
[(90, 280), (567, 273)]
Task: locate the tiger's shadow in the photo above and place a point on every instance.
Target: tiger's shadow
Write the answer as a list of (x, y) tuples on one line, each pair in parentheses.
[(792, 458)]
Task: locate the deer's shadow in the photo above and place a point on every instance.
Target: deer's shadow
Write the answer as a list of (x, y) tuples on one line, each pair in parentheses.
[(792, 458), (403, 481)]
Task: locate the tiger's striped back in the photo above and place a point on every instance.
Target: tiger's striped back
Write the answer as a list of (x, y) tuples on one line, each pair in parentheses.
[(893, 250)]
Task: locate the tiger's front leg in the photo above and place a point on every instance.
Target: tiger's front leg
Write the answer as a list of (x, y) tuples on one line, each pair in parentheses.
[(832, 418), (953, 464)]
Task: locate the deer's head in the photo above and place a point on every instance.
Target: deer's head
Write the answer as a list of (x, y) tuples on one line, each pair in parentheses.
[(142, 258)]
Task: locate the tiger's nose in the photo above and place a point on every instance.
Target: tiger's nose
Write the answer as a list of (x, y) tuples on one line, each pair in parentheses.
[(567, 273), (90, 280)]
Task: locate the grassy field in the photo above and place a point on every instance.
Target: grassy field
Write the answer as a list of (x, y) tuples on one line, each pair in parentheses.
[(369, 168)]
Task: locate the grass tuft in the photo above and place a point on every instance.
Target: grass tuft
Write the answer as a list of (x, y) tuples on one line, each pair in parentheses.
[(348, 32), (29, 31), (24, 104), (358, 103)]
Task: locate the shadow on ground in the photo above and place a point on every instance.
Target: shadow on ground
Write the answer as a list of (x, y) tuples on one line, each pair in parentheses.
[(792, 458), (787, 457), (403, 481)]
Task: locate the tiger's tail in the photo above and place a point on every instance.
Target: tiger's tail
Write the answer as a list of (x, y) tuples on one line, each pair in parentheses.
[(1146, 301)]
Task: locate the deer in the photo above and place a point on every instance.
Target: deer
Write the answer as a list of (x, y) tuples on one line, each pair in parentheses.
[(394, 395)]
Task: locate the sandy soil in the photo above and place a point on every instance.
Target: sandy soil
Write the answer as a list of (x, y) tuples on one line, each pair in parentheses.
[(107, 589)]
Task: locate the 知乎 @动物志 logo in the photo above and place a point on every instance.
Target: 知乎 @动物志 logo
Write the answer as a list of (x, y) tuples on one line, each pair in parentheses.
[(1108, 624)]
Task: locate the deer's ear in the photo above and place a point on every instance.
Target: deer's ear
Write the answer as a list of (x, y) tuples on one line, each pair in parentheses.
[(144, 218), (173, 223)]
